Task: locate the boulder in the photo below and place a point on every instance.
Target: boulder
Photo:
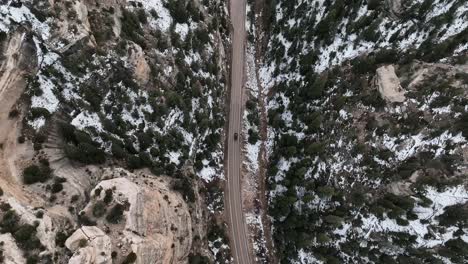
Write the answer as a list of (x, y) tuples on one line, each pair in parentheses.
[(136, 58), (388, 84)]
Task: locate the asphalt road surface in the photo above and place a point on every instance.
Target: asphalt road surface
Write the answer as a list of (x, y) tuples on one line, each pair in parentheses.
[(235, 214)]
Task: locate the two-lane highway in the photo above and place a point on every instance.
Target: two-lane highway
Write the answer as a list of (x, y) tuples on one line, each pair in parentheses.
[(233, 197)]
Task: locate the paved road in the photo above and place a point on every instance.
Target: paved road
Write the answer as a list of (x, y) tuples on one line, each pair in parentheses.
[(235, 215)]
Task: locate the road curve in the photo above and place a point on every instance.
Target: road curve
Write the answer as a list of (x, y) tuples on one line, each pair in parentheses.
[(235, 214)]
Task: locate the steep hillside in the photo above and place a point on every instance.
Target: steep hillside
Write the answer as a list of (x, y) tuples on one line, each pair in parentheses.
[(141, 78), (367, 113), (88, 87)]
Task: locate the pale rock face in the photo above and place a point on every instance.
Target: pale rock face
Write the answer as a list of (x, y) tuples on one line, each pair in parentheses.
[(11, 253), (97, 249), (125, 190), (389, 85), (18, 57), (79, 31), (152, 250), (400, 188), (157, 225), (141, 68), (82, 15), (117, 26), (394, 6), (45, 229)]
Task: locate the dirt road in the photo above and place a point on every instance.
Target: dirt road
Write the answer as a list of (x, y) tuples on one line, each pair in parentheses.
[(235, 214)]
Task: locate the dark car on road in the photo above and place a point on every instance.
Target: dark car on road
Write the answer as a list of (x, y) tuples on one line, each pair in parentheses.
[(236, 136)]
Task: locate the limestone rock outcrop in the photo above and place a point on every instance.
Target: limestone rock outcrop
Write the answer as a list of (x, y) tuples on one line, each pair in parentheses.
[(394, 6), (136, 58), (423, 71), (156, 223), (388, 84), (11, 253), (70, 31), (45, 228), (90, 245)]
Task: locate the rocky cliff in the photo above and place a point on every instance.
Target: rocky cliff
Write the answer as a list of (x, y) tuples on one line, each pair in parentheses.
[(127, 213), (149, 219)]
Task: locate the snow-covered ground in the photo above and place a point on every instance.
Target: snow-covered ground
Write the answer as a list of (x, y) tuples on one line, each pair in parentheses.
[(364, 144), (427, 219), (163, 20)]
